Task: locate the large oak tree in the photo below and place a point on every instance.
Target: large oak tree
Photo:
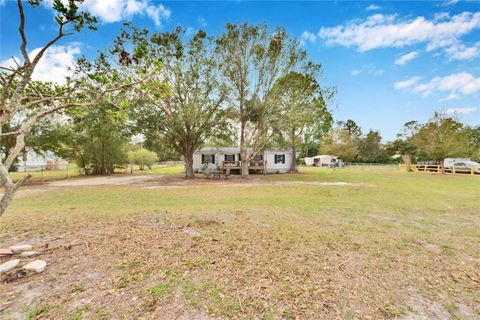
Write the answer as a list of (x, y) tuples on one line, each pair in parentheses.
[(253, 58), (185, 103)]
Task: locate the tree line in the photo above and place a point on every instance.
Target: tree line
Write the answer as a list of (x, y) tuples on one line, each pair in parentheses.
[(440, 137), (205, 91), (250, 86)]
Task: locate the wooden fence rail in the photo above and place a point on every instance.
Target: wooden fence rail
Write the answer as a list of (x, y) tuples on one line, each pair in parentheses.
[(435, 168)]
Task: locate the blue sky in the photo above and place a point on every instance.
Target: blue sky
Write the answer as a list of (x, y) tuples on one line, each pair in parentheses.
[(391, 61)]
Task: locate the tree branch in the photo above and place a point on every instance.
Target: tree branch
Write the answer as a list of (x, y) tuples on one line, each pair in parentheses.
[(21, 29)]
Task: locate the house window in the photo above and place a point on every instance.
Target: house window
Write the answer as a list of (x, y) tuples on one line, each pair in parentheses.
[(280, 158), (258, 157), (208, 158), (229, 157)]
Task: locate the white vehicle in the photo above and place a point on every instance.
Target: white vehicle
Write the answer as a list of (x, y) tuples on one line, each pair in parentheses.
[(458, 165)]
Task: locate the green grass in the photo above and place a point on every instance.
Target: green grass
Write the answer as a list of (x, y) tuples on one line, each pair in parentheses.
[(74, 171), (163, 170), (46, 175), (274, 249), (37, 312), (388, 192)]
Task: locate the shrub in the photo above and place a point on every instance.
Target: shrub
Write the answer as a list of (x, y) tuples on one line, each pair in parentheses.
[(142, 158)]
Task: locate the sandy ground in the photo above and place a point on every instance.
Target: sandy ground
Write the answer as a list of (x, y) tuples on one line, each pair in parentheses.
[(116, 180), (168, 182)]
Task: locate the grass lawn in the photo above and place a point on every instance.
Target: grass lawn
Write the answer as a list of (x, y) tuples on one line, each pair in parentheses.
[(382, 244), (45, 175)]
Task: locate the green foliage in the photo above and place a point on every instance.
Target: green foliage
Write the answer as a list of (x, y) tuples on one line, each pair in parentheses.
[(440, 138), (341, 143), (96, 139), (184, 104), (371, 149), (347, 142), (143, 158), (300, 111), (351, 126), (252, 59), (473, 134)]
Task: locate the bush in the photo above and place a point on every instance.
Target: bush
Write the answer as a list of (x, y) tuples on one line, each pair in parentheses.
[(142, 158)]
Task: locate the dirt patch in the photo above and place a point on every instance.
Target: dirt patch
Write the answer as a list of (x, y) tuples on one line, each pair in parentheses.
[(157, 182), (430, 247), (107, 180), (421, 308)]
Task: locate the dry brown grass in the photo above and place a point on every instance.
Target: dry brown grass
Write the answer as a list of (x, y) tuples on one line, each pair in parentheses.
[(286, 251)]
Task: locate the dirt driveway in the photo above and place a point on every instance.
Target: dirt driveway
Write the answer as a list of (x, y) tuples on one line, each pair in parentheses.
[(171, 182), (115, 180)]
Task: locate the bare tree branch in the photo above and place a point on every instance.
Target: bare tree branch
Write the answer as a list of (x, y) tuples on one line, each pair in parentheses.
[(21, 29)]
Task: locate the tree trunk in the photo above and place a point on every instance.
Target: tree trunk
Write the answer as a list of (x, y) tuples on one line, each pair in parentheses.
[(243, 152), (407, 159), (10, 187), (103, 168), (189, 165), (245, 172), (293, 166)]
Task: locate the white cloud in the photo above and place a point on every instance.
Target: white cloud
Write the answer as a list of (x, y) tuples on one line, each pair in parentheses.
[(406, 83), (456, 85), (158, 13), (54, 65), (356, 72), (459, 110), (462, 52), (401, 61), (450, 2), (368, 68), (309, 36), (189, 31), (441, 16), (117, 10), (202, 21), (382, 31), (372, 7)]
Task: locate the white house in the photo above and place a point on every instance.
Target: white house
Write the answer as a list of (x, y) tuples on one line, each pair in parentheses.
[(32, 161), (269, 161)]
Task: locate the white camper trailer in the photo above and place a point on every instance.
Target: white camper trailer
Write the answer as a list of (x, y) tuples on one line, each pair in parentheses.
[(308, 161), (324, 161)]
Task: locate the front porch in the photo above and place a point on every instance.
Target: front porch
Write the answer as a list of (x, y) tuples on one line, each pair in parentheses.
[(253, 165)]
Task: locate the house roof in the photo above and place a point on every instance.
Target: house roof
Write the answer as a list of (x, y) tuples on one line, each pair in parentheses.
[(231, 150), (210, 150)]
